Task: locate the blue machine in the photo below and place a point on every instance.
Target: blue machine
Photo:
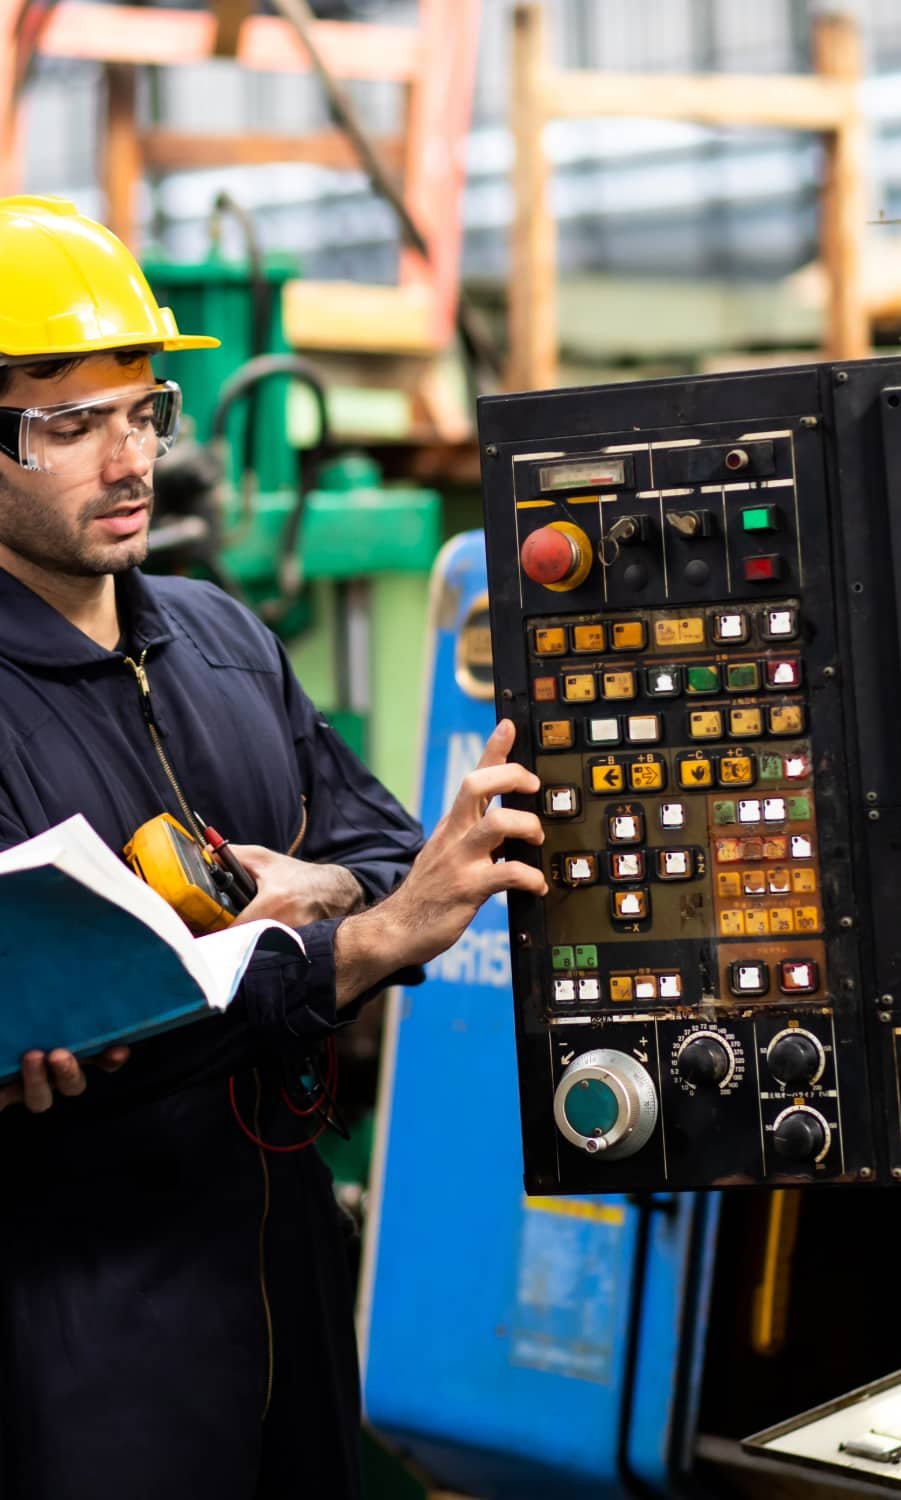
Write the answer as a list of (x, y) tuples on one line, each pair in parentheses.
[(514, 1347)]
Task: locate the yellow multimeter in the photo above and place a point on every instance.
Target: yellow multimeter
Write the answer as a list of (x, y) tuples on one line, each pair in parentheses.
[(169, 859)]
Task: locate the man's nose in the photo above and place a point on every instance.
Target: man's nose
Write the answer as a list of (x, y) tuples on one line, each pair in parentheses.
[(128, 457)]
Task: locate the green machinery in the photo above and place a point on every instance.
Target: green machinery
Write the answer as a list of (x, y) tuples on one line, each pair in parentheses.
[(335, 559)]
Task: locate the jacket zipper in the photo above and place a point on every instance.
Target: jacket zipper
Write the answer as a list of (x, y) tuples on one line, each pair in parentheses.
[(143, 682)]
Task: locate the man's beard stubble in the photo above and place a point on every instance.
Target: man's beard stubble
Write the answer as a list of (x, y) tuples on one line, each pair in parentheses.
[(37, 532)]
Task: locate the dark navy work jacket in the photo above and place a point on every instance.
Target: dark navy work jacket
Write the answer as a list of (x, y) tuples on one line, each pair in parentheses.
[(174, 1311)]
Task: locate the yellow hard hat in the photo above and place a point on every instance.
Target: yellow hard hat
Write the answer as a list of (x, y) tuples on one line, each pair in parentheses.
[(69, 286)]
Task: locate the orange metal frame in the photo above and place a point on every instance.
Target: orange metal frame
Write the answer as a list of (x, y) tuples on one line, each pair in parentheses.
[(435, 60)]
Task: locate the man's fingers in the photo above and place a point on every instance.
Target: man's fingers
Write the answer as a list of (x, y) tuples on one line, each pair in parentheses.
[(501, 823), (513, 875), (487, 782), (36, 1091), (499, 744), (112, 1059), (65, 1072)]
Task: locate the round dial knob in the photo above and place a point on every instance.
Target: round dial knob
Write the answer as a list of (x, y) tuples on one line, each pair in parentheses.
[(801, 1134), (705, 1060), (795, 1057), (557, 556), (606, 1104)]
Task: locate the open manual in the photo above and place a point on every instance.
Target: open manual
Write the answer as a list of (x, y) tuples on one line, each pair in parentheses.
[(90, 955)]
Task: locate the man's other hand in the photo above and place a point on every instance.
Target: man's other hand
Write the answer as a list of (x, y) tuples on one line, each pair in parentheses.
[(42, 1072), (296, 891)]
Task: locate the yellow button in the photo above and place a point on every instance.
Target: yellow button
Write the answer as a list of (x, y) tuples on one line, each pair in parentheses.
[(579, 687), (736, 770), (727, 851), (688, 632), (781, 919), (728, 883), (804, 882), (621, 987), (732, 923), (775, 847), (807, 919), (646, 776), (779, 881), (630, 906), (588, 638), (696, 772), (618, 684), (753, 882), (745, 723), (757, 923), (629, 635), (544, 689), (550, 642), (705, 724), (607, 779), (786, 719), (555, 734)]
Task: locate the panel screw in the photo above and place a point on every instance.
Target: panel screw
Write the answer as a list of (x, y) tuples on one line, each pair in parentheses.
[(522, 939), (828, 672), (885, 1015), (896, 1173), (491, 450), (873, 815), (865, 1173), (507, 694), (810, 421), (886, 999), (872, 796), (846, 921), (841, 377)]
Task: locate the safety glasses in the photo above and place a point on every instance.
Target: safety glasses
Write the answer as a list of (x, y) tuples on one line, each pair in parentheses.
[(81, 438)]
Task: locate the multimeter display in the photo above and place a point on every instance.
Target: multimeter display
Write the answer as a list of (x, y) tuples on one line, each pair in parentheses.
[(700, 685)]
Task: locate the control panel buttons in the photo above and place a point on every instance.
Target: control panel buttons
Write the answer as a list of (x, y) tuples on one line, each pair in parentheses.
[(646, 988), (625, 828), (796, 767), (670, 986), (735, 770), (557, 556), (783, 672), (564, 991), (589, 638), (749, 810), (643, 729), (647, 775), (555, 734), (622, 988), (627, 865), (579, 687), (705, 724), (799, 809), (695, 772), (774, 810), (745, 723), (798, 976), (742, 677), (705, 1060), (804, 882), (749, 978), (728, 883), (544, 689), (562, 801), (779, 624), (801, 1134), (562, 956), (672, 815), (630, 906), (607, 778), (778, 881), (688, 631), (606, 1103), (732, 923), (762, 569), (730, 629), (785, 718), (586, 956), (550, 641), (801, 846), (760, 518), (702, 680), (589, 991), (675, 864), (754, 882), (618, 684), (663, 682), (628, 635), (580, 869), (603, 732), (796, 1058)]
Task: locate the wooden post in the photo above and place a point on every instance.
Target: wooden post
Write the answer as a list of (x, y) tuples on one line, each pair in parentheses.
[(120, 168), (837, 54), (533, 258)]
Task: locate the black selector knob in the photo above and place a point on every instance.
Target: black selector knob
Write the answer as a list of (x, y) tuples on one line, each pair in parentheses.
[(799, 1136), (703, 1061), (794, 1059)]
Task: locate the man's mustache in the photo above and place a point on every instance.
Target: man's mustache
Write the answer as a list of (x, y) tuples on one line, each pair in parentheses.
[(127, 491)]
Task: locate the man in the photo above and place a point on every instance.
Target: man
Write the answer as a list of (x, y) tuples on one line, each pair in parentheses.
[(174, 1313)]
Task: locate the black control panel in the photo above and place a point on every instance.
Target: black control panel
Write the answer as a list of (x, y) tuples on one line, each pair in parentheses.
[(695, 623)]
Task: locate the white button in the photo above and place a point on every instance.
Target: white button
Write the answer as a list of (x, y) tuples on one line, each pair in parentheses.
[(628, 866), (672, 815), (784, 674), (643, 729), (625, 828), (579, 869), (564, 989), (675, 861), (563, 799), (589, 989), (749, 811), (774, 809), (664, 682), (798, 975), (802, 846), (750, 977), (630, 905), (730, 627), (780, 622), (645, 988), (603, 731), (796, 767), (670, 986)]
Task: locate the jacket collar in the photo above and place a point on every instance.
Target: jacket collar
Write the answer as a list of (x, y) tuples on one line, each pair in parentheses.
[(34, 633)]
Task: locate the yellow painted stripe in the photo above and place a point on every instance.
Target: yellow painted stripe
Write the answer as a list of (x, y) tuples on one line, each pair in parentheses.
[(576, 1208), (584, 500), (532, 504)]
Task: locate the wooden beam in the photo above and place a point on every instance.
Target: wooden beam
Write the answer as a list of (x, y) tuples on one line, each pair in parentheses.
[(843, 208), (533, 260), (135, 34), (174, 151), (120, 166), (788, 103)]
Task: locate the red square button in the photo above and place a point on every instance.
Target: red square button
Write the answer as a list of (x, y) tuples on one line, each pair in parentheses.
[(798, 976), (762, 569)]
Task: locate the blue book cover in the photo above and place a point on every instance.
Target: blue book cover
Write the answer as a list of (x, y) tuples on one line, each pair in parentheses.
[(91, 955)]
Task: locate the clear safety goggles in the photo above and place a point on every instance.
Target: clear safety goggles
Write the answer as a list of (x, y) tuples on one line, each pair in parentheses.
[(82, 437)]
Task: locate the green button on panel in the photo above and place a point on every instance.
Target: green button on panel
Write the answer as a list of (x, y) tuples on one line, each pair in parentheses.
[(702, 679), (799, 809), (770, 767), (724, 812), (591, 1105), (586, 956), (743, 677), (760, 518), (562, 958)]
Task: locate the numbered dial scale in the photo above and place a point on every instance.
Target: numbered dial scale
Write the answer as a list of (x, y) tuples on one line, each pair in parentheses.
[(666, 639)]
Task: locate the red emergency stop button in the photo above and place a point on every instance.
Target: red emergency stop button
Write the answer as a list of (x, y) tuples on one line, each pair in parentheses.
[(556, 556)]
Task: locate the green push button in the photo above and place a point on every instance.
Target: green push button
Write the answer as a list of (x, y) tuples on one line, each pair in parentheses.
[(562, 958), (724, 812), (743, 677), (702, 679), (799, 809), (760, 518), (770, 767), (586, 956), (591, 1106)]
